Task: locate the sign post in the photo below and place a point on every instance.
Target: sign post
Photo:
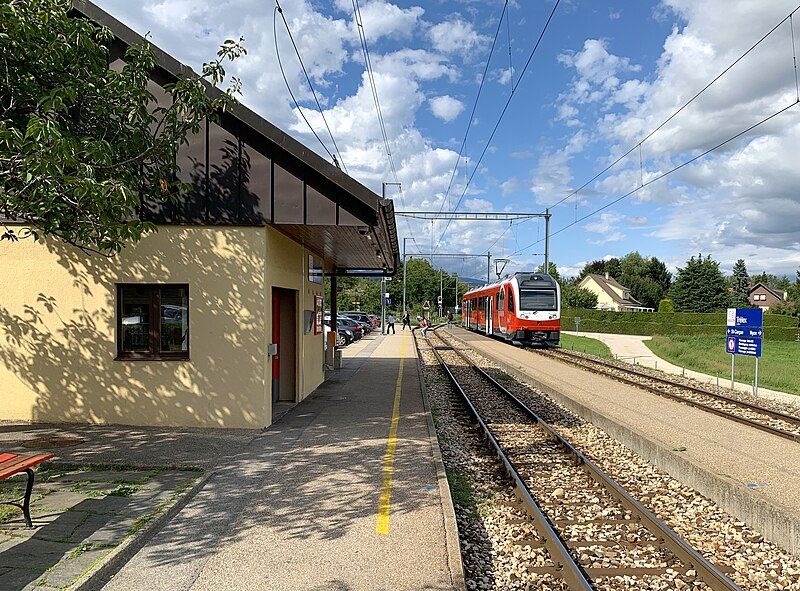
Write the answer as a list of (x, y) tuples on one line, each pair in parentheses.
[(744, 337), (577, 325)]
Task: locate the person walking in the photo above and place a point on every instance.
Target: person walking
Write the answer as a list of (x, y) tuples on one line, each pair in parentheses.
[(449, 318), (406, 320), (390, 324)]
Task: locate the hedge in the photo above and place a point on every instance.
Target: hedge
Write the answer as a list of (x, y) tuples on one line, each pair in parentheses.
[(776, 326)]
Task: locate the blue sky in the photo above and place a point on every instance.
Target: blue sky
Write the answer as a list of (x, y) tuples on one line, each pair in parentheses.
[(605, 74)]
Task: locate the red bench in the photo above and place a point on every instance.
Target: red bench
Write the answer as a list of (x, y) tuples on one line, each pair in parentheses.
[(11, 464)]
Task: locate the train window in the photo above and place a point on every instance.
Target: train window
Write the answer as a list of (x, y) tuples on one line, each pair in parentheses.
[(538, 299), (510, 299)]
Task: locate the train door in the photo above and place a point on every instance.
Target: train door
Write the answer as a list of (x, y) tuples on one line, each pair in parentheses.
[(501, 315), (489, 315)]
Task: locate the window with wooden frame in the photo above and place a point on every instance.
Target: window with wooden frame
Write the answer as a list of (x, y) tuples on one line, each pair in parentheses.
[(152, 321)]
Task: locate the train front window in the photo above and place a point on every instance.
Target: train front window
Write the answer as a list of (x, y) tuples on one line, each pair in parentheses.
[(533, 300)]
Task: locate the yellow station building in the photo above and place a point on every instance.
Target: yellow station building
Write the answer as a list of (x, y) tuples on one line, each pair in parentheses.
[(213, 319)]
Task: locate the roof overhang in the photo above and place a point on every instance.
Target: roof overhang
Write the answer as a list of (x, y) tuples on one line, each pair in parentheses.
[(343, 246)]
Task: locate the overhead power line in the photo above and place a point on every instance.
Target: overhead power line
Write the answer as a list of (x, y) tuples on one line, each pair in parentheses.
[(310, 85), (665, 174), (502, 114), (474, 106), (638, 145)]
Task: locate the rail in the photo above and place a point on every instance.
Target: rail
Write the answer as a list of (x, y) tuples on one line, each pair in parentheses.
[(746, 406), (574, 574)]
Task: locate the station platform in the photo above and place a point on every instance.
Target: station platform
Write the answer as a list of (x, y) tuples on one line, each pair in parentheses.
[(346, 492), (753, 475)]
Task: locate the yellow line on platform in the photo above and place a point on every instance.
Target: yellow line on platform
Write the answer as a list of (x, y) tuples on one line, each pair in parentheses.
[(385, 502)]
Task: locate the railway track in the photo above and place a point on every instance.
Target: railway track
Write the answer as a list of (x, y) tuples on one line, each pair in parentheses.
[(753, 415), (596, 534)]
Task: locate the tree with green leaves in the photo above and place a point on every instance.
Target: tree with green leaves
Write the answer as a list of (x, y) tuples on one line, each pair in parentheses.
[(573, 296), (700, 286), (81, 144), (666, 306), (552, 270), (740, 283)]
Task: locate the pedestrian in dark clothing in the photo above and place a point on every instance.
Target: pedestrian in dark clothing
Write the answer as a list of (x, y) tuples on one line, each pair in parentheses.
[(390, 324), (449, 318), (406, 320)]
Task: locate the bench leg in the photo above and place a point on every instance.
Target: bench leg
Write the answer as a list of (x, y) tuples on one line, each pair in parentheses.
[(26, 502)]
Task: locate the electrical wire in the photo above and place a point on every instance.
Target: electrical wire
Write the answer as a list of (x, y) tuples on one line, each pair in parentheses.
[(502, 114), (474, 107), (675, 114), (289, 88), (665, 174), (310, 85)]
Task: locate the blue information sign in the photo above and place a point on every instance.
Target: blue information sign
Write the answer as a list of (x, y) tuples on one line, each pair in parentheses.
[(745, 330)]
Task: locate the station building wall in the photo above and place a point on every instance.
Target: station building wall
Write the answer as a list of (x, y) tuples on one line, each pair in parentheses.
[(58, 330)]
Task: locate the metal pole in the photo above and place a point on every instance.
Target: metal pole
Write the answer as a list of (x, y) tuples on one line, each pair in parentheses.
[(441, 292), (755, 384), (456, 304), (547, 241), (733, 362), (383, 305), (488, 267), (405, 263), (334, 302)]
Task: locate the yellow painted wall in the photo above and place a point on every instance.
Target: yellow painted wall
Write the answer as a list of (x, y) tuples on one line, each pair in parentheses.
[(604, 301), (58, 330)]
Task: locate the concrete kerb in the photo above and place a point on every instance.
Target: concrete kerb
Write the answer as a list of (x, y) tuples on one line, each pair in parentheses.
[(775, 523), (452, 540), (121, 554)]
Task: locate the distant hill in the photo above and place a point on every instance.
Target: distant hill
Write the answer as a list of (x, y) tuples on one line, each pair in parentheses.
[(472, 281)]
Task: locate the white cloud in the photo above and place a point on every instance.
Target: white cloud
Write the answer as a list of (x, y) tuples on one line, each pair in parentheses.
[(455, 35), (446, 107), (382, 19)]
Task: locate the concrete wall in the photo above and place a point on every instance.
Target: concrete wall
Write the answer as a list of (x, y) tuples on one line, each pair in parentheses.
[(58, 330)]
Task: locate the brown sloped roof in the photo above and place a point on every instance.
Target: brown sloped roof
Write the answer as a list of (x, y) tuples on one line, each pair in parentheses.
[(606, 285), (778, 294)]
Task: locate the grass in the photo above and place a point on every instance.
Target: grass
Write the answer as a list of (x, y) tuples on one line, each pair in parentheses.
[(778, 369), (461, 491), (585, 345)]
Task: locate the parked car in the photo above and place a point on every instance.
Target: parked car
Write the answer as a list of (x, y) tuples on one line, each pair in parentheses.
[(376, 322), (361, 317), (344, 336), (349, 324)]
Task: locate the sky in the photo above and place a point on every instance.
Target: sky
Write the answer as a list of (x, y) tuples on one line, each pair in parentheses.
[(604, 76)]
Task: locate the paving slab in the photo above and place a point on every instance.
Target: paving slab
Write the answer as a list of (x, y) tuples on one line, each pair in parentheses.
[(298, 508)]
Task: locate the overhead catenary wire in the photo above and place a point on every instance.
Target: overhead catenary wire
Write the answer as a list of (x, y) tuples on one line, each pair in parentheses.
[(639, 143), (310, 85), (474, 107), (666, 173), (502, 114)]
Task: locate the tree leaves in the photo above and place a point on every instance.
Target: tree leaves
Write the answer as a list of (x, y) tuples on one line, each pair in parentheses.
[(81, 143)]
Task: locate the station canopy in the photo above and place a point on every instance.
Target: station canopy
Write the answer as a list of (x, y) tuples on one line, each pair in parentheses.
[(244, 171)]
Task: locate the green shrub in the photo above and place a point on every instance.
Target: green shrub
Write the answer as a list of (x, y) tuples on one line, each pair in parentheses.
[(776, 327), (666, 306)]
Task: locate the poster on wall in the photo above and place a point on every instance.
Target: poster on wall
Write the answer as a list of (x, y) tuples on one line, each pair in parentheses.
[(318, 314)]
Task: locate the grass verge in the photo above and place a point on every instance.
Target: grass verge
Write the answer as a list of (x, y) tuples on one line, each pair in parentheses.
[(585, 345), (777, 369)]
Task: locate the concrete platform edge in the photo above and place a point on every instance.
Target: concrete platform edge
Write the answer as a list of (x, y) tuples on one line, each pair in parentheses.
[(117, 558), (775, 523), (448, 510)]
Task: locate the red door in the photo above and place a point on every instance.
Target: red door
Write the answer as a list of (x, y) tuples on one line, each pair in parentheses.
[(276, 339)]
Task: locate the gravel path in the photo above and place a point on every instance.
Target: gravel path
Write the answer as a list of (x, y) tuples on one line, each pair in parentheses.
[(487, 516)]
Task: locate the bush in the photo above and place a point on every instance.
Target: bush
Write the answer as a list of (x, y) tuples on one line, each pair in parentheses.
[(666, 306), (776, 326)]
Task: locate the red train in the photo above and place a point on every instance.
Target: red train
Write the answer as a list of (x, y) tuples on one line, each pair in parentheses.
[(525, 308)]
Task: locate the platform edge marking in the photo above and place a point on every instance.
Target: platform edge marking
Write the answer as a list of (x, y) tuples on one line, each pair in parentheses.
[(385, 501)]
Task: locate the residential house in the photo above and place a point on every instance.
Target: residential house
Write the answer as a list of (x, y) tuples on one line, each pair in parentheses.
[(764, 297), (611, 295)]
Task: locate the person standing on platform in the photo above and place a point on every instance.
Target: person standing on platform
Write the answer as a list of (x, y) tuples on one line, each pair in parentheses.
[(449, 318), (390, 324), (423, 324), (406, 320)]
